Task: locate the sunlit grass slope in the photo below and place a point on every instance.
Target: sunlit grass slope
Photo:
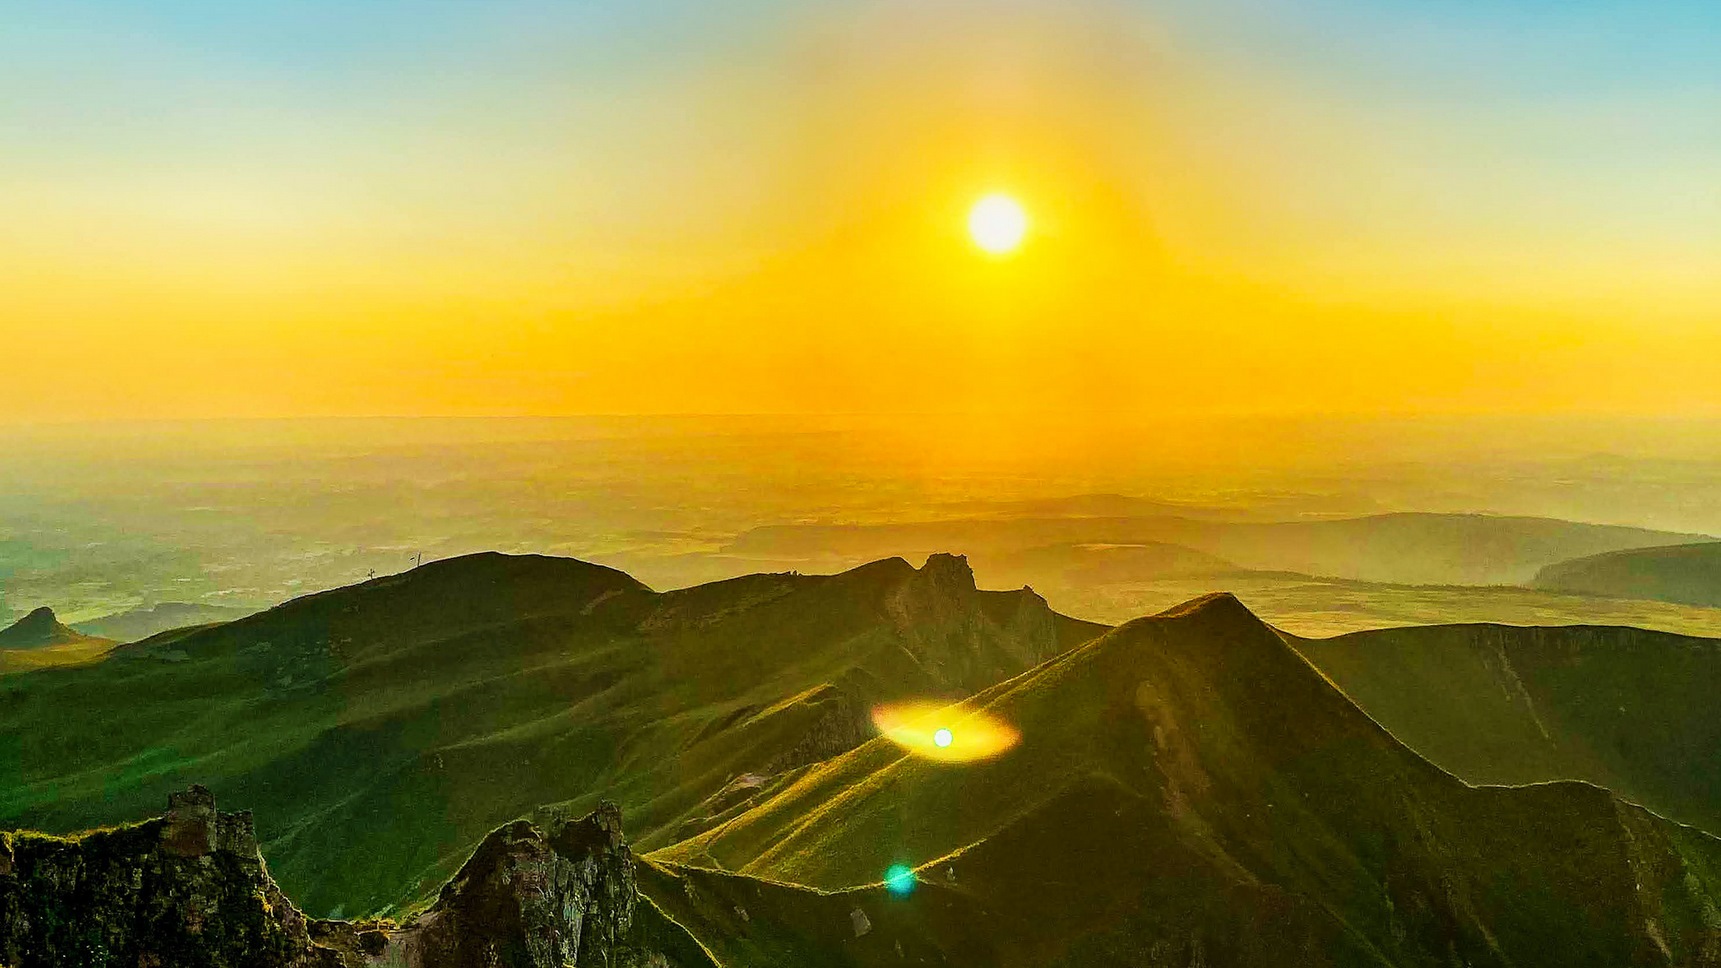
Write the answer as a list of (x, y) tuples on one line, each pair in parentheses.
[(1189, 785), (380, 730)]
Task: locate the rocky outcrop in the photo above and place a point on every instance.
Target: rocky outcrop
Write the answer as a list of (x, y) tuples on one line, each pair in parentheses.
[(842, 724), (186, 889), (968, 639), (191, 889), (527, 900)]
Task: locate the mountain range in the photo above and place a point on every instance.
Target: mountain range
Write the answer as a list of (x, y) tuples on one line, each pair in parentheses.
[(1193, 787)]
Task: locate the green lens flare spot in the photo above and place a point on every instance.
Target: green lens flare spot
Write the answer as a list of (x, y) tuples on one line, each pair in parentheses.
[(899, 879)]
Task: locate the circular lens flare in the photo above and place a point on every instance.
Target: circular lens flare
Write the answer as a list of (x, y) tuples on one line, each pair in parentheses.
[(899, 879), (948, 734)]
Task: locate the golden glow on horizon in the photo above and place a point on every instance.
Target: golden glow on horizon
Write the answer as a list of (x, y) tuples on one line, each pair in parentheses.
[(997, 223), (948, 734), (1172, 234)]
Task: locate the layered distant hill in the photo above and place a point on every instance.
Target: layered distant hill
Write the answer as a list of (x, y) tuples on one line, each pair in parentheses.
[(1687, 574), (1403, 548), (1189, 788), (141, 623), (39, 640)]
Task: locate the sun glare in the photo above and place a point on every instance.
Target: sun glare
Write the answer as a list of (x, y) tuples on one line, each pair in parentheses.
[(998, 223), (935, 731)]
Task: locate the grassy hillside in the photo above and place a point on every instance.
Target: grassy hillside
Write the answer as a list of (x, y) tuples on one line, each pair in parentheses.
[(1190, 790), (382, 729), (1624, 708), (1687, 574)]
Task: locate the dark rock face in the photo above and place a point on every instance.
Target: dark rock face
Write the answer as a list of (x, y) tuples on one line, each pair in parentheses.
[(190, 889), (525, 900), (187, 889), (968, 639), (843, 725)]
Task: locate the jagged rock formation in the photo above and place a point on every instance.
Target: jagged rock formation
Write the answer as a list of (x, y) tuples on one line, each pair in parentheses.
[(186, 889), (533, 901), (191, 889), (965, 638), (842, 725)]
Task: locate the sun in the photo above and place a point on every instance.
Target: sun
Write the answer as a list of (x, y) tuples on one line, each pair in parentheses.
[(998, 223)]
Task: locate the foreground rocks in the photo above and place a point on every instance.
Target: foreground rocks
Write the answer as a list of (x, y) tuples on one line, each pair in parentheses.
[(191, 889)]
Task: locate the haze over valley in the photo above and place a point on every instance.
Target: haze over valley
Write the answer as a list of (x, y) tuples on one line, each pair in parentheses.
[(1323, 526)]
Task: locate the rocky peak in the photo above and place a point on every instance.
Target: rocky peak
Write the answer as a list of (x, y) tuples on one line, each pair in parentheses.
[(39, 628), (187, 888), (527, 900), (964, 638), (948, 572)]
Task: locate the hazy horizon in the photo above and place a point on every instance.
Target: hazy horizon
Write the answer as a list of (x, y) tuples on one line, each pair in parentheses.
[(98, 518)]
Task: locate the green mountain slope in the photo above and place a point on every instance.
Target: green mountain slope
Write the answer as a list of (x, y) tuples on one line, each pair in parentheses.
[(1687, 574), (1190, 790), (390, 725), (1625, 708)]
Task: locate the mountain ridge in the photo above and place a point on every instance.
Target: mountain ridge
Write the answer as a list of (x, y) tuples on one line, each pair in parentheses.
[(483, 688), (1223, 746)]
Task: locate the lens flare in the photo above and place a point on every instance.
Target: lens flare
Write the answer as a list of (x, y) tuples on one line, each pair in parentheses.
[(899, 879), (948, 734)]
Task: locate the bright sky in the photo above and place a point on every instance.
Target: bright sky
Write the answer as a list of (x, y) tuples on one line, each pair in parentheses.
[(211, 208)]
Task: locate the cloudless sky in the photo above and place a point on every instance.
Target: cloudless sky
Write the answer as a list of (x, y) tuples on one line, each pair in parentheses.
[(376, 206)]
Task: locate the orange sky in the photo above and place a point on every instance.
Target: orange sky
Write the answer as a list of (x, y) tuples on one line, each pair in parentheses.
[(767, 216)]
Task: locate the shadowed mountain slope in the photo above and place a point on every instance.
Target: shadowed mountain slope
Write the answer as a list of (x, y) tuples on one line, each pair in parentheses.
[(391, 724), (1686, 574), (1189, 785), (1628, 709)]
